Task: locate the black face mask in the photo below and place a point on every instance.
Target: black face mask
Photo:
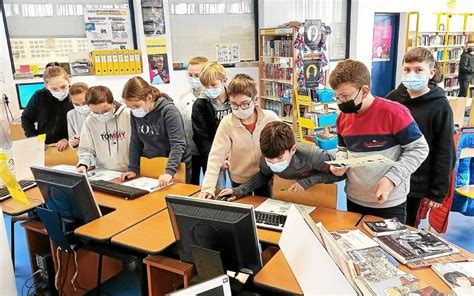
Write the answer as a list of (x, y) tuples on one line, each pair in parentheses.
[(350, 106)]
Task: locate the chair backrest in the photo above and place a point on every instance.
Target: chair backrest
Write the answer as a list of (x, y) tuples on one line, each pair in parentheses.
[(458, 105), (320, 195), (16, 131), (154, 167), (53, 157)]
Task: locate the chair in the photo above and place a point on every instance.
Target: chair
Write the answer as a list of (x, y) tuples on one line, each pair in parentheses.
[(320, 195), (154, 167), (458, 105), (16, 132), (53, 157), (468, 190)]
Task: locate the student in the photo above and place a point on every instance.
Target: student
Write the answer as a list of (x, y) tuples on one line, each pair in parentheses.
[(105, 136), (208, 111), (237, 137), (157, 130), (466, 69), (77, 116), (429, 107), (46, 111), (281, 156), (371, 125), (185, 105)]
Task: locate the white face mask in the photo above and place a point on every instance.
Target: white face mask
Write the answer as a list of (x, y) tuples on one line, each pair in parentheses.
[(104, 117), (244, 114), (139, 112), (278, 167), (60, 95), (84, 109)]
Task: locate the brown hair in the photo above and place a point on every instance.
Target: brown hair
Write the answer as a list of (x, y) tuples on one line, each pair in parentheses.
[(421, 55), (78, 88), (197, 61), (54, 71), (276, 137), (98, 95), (242, 84), (137, 88), (210, 72), (50, 64), (350, 71), (438, 75)]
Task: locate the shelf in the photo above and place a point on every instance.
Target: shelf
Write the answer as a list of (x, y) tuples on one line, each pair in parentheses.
[(450, 75), (286, 119), (275, 57), (450, 32), (451, 88), (276, 32), (449, 61), (278, 81), (276, 99), (307, 123), (441, 46)]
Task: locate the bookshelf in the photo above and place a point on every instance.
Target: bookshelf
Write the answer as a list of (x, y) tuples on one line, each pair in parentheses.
[(276, 72), (446, 45)]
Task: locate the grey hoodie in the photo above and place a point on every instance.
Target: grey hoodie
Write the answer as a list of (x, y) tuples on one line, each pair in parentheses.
[(159, 134), (106, 144)]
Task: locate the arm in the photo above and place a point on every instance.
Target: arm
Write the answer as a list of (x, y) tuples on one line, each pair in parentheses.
[(443, 155), (465, 65), (201, 136), (86, 151), (29, 116), (258, 180), (317, 159), (176, 136), (136, 148)]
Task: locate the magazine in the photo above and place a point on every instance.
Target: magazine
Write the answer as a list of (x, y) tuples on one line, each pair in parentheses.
[(353, 240), (457, 257), (415, 245), (385, 227), (459, 276)]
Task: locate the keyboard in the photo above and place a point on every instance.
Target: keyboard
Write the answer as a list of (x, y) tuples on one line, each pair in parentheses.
[(115, 189), (24, 184), (270, 220)]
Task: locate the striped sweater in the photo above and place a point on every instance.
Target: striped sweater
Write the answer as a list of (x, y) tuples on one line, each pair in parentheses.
[(386, 128)]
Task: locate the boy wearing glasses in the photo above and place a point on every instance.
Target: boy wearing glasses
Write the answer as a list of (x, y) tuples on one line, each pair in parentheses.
[(238, 137), (369, 125), (105, 136)]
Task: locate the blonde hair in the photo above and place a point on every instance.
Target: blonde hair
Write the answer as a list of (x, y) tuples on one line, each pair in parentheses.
[(137, 88), (197, 61), (54, 71), (212, 71), (242, 84), (78, 88)]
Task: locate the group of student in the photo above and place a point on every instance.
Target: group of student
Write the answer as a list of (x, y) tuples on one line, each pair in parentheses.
[(218, 126)]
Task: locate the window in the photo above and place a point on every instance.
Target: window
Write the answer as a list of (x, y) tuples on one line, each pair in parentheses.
[(198, 26), (49, 31)]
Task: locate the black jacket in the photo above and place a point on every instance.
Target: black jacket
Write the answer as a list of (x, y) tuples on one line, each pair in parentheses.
[(466, 66), (49, 113), (434, 117), (204, 127)]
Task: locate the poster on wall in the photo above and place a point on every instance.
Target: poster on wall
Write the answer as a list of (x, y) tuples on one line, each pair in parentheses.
[(157, 60), (153, 18), (227, 53), (382, 43), (108, 28), (311, 73), (312, 33)]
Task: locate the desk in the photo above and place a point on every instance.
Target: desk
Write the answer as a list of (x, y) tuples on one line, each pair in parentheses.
[(13, 207)]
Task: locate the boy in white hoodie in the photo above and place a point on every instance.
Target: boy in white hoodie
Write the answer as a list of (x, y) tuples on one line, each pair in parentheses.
[(77, 116), (105, 136)]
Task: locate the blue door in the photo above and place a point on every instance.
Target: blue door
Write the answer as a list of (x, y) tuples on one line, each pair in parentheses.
[(384, 53)]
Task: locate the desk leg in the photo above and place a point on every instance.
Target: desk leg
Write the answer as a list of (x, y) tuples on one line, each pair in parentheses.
[(12, 231), (141, 269)]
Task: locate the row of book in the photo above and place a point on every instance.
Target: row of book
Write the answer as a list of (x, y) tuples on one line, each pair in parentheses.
[(277, 71), (439, 40), (452, 68), (280, 90), (451, 82), (451, 54), (117, 61), (279, 47), (274, 106)]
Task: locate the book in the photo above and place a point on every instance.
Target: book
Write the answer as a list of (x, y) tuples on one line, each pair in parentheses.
[(145, 183), (349, 240), (457, 257), (385, 227), (415, 245), (459, 276)]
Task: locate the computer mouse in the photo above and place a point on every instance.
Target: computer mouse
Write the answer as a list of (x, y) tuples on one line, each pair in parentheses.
[(225, 197)]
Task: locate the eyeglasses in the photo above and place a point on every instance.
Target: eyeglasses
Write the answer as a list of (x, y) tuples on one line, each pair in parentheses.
[(345, 98), (243, 106)]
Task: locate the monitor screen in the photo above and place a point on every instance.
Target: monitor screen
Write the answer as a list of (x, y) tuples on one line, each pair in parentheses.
[(25, 91), (223, 227)]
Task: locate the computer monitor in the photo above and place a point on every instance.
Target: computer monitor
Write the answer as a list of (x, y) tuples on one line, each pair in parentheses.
[(68, 194), (25, 91), (205, 229)]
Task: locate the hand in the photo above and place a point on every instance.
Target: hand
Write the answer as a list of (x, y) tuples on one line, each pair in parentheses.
[(127, 175), (338, 171), (382, 189), (205, 195), (225, 165), (74, 141), (226, 193), (82, 169), (62, 145), (296, 187), (165, 180), (434, 205)]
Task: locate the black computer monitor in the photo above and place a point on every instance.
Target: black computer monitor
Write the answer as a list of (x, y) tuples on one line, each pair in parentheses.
[(25, 91), (218, 227), (68, 194)]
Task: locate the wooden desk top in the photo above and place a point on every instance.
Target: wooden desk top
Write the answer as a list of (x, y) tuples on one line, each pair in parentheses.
[(13, 207), (129, 212)]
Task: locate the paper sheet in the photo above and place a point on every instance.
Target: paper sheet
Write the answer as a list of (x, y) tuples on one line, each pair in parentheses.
[(280, 207), (361, 161), (144, 183), (7, 279), (98, 174), (27, 152)]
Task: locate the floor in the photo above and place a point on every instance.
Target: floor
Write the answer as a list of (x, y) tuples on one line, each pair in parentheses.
[(460, 232)]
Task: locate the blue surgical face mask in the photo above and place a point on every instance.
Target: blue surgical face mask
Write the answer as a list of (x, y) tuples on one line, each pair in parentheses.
[(104, 117), (83, 110), (194, 82), (278, 167), (415, 82), (213, 92), (139, 112)]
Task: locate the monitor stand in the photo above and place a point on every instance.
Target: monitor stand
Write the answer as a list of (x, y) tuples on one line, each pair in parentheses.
[(208, 263)]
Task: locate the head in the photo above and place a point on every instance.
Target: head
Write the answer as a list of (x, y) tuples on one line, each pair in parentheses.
[(101, 102), (470, 46), (242, 91), (278, 145), (213, 77), (77, 95), (195, 66), (140, 96), (351, 83), (457, 279), (419, 66), (56, 81)]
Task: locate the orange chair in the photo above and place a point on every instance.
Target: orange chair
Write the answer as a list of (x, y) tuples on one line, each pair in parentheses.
[(154, 167)]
